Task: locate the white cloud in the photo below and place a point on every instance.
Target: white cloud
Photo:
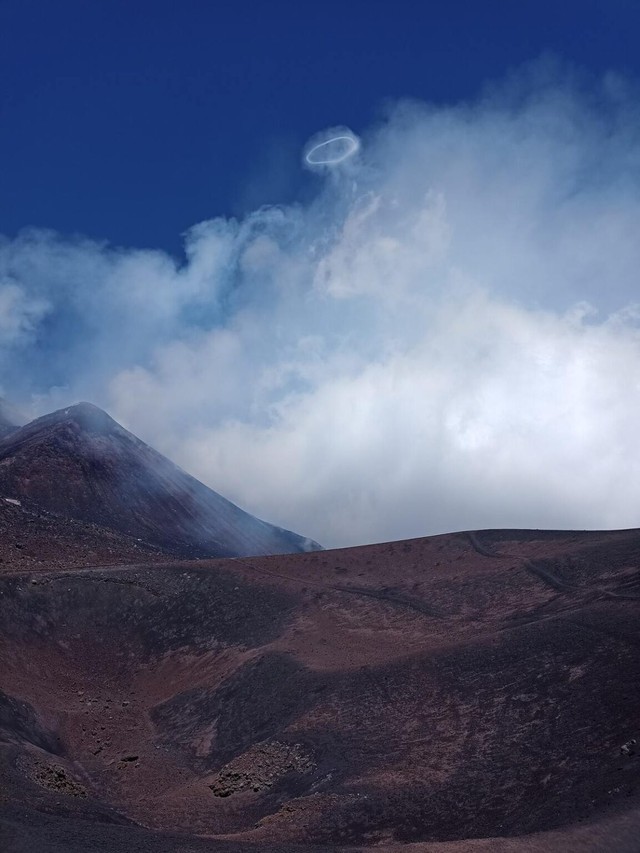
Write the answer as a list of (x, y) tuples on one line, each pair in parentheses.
[(446, 337), (499, 417)]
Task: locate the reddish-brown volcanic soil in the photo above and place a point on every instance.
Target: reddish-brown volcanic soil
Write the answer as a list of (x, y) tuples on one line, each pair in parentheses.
[(34, 540), (470, 692)]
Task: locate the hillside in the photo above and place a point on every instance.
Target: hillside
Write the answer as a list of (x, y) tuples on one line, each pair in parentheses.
[(412, 696)]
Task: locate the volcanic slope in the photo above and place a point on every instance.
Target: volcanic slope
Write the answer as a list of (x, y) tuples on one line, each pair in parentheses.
[(79, 463), (460, 693), (32, 539)]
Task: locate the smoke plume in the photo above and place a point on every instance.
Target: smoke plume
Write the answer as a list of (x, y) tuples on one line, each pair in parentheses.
[(445, 337)]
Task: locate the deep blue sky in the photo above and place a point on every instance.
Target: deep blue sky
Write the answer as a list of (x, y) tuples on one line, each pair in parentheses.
[(131, 121)]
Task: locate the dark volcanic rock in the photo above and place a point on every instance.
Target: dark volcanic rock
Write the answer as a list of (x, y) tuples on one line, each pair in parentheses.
[(79, 463), (465, 693), (18, 723)]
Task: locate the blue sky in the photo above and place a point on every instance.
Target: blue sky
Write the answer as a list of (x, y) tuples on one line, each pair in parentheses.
[(130, 121), (441, 332)]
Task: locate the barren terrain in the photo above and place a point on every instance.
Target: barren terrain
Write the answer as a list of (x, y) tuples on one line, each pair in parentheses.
[(469, 692)]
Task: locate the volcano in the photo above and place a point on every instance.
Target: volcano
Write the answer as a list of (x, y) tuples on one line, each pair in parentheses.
[(463, 693), (79, 464)]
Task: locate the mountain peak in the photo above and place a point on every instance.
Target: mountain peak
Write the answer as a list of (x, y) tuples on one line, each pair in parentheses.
[(87, 416)]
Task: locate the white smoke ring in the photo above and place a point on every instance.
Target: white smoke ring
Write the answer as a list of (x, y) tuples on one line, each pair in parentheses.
[(331, 147)]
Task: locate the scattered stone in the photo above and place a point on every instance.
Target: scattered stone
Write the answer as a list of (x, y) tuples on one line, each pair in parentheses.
[(261, 767), (629, 748), (51, 776)]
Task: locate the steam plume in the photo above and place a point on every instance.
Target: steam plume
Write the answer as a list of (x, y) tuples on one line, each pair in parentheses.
[(446, 337)]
